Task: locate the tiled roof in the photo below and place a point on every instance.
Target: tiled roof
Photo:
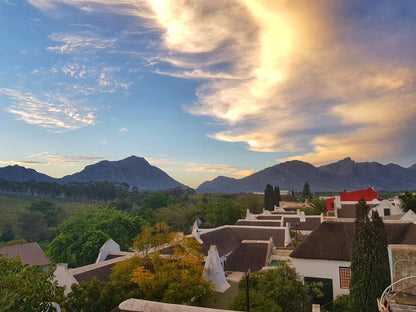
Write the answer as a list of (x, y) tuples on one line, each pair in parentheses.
[(30, 254), (332, 240)]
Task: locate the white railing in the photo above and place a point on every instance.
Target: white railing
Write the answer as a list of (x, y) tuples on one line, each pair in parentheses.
[(390, 292)]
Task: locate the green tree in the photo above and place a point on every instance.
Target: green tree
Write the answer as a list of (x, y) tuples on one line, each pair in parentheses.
[(94, 296), (316, 206), (306, 193), (277, 196), (33, 227), (50, 211), (408, 201), (251, 202), (6, 231), (25, 288), (269, 198), (369, 260), (180, 217), (81, 236), (224, 211), (342, 304), (279, 289)]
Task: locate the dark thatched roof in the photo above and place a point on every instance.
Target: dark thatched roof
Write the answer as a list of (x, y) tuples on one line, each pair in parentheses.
[(228, 238), (248, 255), (332, 240), (259, 222), (268, 217), (310, 224), (30, 254)]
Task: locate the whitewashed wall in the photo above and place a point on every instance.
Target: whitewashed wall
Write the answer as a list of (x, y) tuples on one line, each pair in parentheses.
[(322, 269)]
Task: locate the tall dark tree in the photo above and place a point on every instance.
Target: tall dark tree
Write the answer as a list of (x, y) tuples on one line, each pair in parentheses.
[(306, 193), (369, 276), (277, 196), (269, 198)]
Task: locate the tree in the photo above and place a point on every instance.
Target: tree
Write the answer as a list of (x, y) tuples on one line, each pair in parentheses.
[(269, 198), (279, 289), (176, 278), (94, 296), (179, 217), (316, 207), (224, 211), (342, 304), (251, 202), (6, 231), (277, 196), (306, 193), (81, 236), (409, 201), (369, 260), (25, 288), (33, 227), (50, 211)]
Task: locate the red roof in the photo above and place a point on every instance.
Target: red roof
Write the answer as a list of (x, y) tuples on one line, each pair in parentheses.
[(368, 194)]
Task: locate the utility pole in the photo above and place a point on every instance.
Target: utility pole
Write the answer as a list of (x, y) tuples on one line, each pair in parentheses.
[(247, 290)]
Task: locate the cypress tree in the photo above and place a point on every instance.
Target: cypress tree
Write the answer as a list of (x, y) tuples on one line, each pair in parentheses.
[(306, 193), (277, 196), (369, 260), (380, 245), (269, 198)]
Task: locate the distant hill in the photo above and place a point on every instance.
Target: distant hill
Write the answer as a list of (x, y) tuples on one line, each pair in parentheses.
[(335, 177), (135, 171), (21, 174)]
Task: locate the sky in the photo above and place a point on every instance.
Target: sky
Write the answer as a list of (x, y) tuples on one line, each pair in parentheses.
[(206, 88)]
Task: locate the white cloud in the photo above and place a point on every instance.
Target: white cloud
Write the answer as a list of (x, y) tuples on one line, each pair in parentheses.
[(82, 42), (59, 114), (49, 159)]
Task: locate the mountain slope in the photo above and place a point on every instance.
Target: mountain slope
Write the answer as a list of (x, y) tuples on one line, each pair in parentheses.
[(21, 174), (335, 177), (135, 171)]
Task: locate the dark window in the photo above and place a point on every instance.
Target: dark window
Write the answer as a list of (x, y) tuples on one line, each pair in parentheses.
[(387, 211), (332, 205)]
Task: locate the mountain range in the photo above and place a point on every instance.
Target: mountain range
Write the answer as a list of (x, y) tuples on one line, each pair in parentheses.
[(335, 177), (135, 171), (290, 175)]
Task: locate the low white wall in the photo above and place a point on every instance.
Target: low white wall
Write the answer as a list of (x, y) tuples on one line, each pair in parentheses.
[(322, 269)]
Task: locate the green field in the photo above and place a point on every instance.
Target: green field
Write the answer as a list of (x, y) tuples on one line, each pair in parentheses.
[(12, 206)]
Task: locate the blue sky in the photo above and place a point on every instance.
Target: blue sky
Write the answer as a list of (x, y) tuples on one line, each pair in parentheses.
[(206, 88)]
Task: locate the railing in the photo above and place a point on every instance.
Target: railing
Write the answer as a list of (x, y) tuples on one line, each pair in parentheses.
[(390, 292)]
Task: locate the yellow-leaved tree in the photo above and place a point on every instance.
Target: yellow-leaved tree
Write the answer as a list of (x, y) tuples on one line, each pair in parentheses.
[(172, 273)]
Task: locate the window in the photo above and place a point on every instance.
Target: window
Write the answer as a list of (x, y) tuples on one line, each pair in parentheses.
[(332, 205), (386, 211), (344, 277)]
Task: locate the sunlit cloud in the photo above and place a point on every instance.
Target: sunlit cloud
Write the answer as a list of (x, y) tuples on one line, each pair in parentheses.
[(57, 115), (212, 169), (50, 159), (310, 78)]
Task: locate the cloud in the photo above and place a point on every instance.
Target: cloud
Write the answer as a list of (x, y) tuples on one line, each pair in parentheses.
[(122, 131), (50, 159), (215, 169), (58, 115), (319, 80), (82, 42)]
